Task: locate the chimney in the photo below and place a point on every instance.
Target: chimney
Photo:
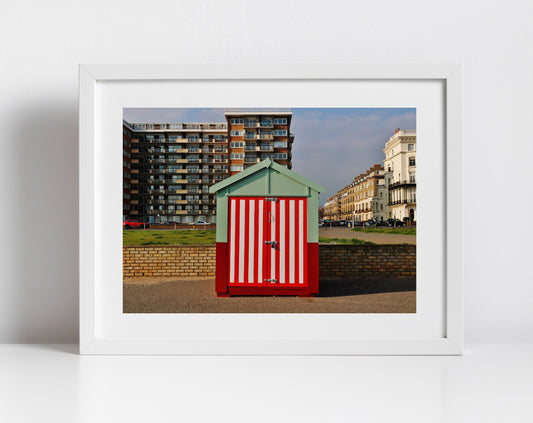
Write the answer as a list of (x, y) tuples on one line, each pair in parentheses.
[(397, 130)]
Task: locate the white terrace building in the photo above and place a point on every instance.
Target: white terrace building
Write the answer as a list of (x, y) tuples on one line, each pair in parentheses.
[(400, 174)]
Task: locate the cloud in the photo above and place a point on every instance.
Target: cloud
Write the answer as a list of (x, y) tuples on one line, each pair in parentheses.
[(333, 146)]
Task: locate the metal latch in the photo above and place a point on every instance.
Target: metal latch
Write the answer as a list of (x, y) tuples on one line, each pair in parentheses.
[(271, 199), (271, 280), (272, 243)]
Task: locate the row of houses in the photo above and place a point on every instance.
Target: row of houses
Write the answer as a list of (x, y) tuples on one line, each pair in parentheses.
[(383, 191)]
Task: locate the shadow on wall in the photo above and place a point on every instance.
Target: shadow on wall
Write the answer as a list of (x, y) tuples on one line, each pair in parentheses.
[(43, 296)]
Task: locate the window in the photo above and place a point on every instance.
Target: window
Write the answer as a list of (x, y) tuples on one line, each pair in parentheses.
[(280, 133), (411, 161), (266, 122), (193, 138), (236, 121), (410, 147), (237, 133), (237, 156), (237, 144), (174, 126), (280, 121), (236, 168), (280, 144), (250, 122), (280, 156)]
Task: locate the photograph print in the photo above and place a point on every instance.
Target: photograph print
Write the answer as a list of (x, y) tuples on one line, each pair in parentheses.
[(261, 210)]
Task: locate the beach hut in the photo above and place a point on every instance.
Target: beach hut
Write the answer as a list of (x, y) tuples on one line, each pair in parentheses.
[(267, 232)]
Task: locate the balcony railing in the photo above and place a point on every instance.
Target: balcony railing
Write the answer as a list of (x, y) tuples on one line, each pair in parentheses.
[(397, 202), (404, 182)]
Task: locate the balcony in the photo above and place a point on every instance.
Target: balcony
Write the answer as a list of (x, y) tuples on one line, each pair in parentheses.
[(251, 124), (266, 137), (405, 182), (251, 160), (266, 147), (398, 202), (250, 136)]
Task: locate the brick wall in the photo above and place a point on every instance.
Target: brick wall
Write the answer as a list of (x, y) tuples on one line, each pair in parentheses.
[(336, 261), (367, 261), (184, 261)]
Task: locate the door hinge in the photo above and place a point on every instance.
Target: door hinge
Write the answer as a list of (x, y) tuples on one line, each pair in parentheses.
[(271, 199)]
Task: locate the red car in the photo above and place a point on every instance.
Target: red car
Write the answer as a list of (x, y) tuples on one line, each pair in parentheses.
[(129, 224)]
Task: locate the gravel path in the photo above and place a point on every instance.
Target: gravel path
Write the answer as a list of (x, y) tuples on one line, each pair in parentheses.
[(346, 233), (168, 295)]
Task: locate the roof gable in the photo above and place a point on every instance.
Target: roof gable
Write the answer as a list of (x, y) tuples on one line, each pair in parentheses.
[(265, 164)]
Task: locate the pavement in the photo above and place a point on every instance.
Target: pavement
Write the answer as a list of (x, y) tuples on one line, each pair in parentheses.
[(377, 238), (171, 295)]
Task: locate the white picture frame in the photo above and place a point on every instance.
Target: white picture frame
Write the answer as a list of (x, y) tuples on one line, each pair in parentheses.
[(314, 334)]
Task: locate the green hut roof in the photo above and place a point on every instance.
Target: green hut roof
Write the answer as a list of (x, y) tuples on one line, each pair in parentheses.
[(262, 165)]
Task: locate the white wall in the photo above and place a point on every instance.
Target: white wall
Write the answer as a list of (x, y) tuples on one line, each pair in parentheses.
[(41, 44)]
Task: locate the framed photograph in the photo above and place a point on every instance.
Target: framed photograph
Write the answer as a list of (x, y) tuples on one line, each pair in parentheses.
[(261, 209)]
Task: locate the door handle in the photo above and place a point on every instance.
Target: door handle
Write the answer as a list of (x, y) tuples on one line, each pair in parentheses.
[(272, 243)]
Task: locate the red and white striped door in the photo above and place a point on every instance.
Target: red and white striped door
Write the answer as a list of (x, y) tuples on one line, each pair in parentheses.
[(268, 242)]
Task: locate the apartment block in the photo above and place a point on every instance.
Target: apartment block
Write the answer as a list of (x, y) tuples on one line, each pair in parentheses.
[(255, 136), (400, 174), (169, 167)]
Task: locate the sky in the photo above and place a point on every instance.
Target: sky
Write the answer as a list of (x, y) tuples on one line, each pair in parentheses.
[(331, 145)]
